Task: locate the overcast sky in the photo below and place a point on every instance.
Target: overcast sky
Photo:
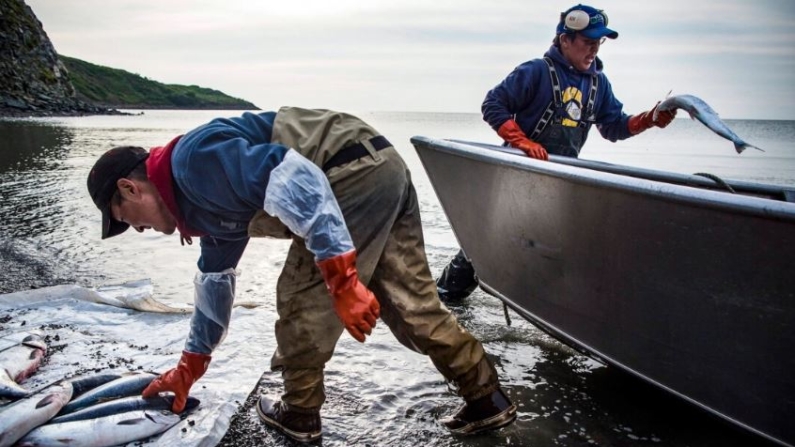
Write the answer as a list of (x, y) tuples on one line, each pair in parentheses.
[(432, 55)]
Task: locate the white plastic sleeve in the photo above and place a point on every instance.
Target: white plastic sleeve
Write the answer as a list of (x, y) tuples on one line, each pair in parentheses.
[(214, 294), (300, 196)]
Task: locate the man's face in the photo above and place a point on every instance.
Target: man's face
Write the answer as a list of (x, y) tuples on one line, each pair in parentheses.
[(580, 51), (139, 205)]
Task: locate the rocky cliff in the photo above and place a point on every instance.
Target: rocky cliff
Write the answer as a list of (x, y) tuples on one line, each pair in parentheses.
[(33, 81)]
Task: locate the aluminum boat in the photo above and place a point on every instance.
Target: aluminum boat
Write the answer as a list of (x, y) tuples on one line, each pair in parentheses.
[(685, 281)]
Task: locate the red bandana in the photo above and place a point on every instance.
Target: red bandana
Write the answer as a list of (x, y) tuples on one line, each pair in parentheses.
[(158, 169)]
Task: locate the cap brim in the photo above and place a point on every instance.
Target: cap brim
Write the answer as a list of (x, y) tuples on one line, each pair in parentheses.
[(598, 33), (110, 226)]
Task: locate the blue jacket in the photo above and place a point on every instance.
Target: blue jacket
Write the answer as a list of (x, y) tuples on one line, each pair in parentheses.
[(218, 177), (221, 172), (525, 94)]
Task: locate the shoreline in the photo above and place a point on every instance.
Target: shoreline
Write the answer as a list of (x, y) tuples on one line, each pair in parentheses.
[(8, 112)]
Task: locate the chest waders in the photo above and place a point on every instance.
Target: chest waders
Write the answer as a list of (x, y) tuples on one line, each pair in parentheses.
[(556, 137), (377, 198)]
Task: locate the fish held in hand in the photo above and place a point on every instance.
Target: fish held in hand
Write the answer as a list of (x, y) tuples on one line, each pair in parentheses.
[(700, 110)]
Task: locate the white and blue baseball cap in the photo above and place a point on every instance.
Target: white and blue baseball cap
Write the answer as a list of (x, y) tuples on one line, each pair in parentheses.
[(586, 20)]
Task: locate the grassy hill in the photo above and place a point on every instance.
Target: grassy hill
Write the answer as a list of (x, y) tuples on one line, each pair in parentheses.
[(111, 87)]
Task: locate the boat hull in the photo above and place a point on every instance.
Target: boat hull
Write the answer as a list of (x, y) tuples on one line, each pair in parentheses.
[(689, 289)]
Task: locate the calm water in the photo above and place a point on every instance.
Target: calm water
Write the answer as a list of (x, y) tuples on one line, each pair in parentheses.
[(49, 233)]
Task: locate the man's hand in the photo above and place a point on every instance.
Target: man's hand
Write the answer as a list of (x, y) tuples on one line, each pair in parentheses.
[(353, 302), (646, 120), (190, 368), (512, 133)]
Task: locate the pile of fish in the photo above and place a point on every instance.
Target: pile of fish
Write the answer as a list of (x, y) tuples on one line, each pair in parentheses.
[(93, 411)]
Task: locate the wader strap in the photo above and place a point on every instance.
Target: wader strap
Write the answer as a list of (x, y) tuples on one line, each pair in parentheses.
[(557, 101), (589, 109), (355, 152)]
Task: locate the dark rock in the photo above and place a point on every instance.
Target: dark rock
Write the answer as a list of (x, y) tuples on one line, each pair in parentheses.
[(33, 80), (17, 104)]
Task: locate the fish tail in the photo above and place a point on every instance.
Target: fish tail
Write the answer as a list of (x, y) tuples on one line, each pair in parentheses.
[(740, 147)]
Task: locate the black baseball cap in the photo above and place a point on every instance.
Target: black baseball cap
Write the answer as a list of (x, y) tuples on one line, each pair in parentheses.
[(113, 165)]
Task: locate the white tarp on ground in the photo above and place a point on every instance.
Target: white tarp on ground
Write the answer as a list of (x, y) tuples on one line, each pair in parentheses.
[(123, 328)]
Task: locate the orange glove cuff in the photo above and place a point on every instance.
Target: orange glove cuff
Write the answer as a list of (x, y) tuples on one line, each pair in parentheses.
[(513, 134), (179, 380), (644, 121), (339, 272), (194, 363), (354, 304)]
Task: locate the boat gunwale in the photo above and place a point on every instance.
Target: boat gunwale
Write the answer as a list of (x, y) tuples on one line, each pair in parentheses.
[(592, 176)]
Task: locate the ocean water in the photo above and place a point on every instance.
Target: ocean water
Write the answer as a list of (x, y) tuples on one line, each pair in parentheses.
[(49, 234)]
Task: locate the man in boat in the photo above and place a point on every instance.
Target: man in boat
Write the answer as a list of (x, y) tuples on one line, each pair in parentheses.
[(548, 105), (343, 194)]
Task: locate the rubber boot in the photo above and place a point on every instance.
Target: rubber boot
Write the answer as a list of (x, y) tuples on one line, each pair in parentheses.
[(457, 280), (300, 424), (486, 413)]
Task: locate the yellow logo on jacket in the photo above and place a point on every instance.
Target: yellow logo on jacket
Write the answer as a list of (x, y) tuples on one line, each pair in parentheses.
[(572, 104)]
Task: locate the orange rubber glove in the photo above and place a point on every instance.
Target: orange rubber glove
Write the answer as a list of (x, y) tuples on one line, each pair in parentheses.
[(510, 132), (179, 380), (643, 121), (354, 303)]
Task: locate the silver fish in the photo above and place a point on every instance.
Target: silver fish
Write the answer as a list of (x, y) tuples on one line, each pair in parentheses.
[(81, 384), (114, 429), (123, 405), (128, 385), (700, 110), (19, 362), (24, 415)]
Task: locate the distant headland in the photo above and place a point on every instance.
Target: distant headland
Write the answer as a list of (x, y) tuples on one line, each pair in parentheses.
[(114, 88)]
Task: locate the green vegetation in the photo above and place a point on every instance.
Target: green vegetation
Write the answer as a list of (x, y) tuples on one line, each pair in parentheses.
[(111, 87)]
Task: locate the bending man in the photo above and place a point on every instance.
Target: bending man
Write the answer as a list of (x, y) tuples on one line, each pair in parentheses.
[(343, 194)]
